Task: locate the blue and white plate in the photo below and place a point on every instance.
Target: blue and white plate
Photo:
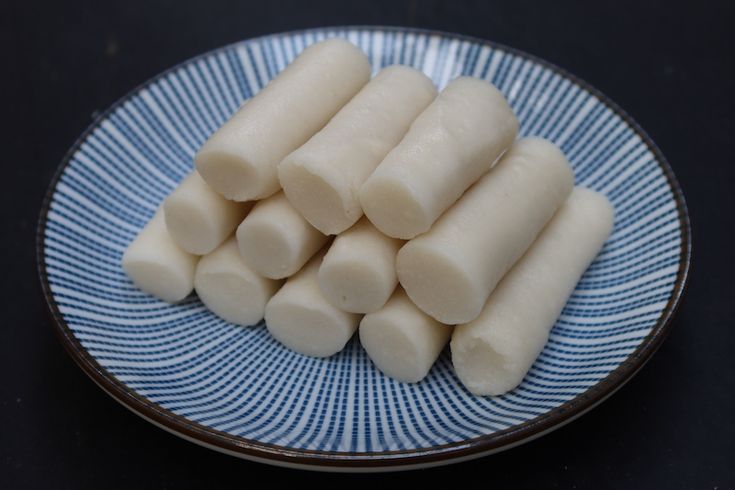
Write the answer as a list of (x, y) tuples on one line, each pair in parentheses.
[(236, 389)]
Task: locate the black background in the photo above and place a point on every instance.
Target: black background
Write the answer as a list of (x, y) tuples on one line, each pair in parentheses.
[(669, 65)]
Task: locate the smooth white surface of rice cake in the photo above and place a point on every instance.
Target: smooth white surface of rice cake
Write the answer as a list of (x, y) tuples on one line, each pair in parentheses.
[(450, 271), (198, 218), (493, 353), (230, 288), (448, 147), (157, 265), (301, 318), (275, 240), (323, 176), (358, 274), (240, 159), (401, 340)]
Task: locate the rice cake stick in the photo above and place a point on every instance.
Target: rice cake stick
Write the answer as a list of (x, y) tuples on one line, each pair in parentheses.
[(230, 288), (240, 159), (198, 218), (493, 353), (450, 271), (323, 176), (358, 274), (448, 147), (157, 265), (401, 340), (301, 318), (275, 240)]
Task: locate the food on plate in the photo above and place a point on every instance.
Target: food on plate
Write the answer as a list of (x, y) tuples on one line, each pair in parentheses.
[(493, 353), (497, 234), (401, 340), (275, 240), (198, 218), (301, 318), (447, 148), (157, 265), (230, 288), (450, 271), (240, 159), (358, 273), (322, 177)]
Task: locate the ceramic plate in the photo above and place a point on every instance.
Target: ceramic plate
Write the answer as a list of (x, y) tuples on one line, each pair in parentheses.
[(236, 389)]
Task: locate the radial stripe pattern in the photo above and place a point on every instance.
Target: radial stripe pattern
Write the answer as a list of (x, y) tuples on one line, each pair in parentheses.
[(240, 381)]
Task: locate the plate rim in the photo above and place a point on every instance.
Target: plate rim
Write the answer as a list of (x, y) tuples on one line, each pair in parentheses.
[(384, 460)]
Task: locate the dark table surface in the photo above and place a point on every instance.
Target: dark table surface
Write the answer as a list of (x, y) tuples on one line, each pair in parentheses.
[(669, 65)]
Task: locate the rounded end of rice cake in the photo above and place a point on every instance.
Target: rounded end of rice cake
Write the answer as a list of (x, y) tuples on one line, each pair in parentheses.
[(542, 150), (353, 287), (394, 353), (483, 368), (163, 282), (318, 200), (231, 297), (341, 44), (266, 250), (437, 284), (393, 208), (189, 227), (234, 177), (597, 207), (351, 58), (420, 80), (489, 94), (309, 331)]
